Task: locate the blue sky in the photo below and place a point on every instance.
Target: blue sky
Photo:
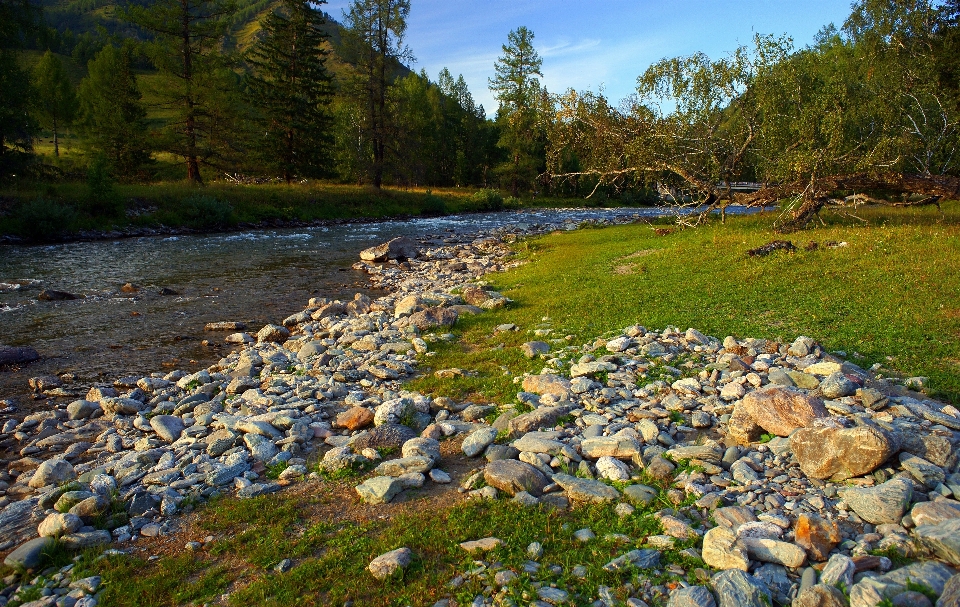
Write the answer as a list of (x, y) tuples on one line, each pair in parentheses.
[(588, 44)]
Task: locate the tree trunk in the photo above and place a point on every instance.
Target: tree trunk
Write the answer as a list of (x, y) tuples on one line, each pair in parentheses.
[(190, 128), (56, 140)]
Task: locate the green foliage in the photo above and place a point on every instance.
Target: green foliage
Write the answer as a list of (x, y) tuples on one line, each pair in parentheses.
[(373, 40), (488, 200), (433, 206), (522, 103), (56, 100), (205, 212), (112, 113), (43, 219), (101, 198), (194, 79), (290, 87)]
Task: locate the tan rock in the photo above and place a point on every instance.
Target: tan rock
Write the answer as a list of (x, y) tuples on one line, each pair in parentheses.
[(781, 410), (742, 428), (841, 453), (723, 550), (547, 384)]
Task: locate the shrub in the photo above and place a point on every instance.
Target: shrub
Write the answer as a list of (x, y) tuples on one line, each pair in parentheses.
[(433, 206), (101, 199), (43, 219), (488, 200), (205, 212)]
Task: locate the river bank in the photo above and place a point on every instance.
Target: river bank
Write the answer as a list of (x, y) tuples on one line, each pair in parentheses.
[(632, 401)]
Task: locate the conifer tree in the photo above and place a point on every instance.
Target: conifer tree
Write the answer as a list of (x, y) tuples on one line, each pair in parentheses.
[(111, 112), (374, 38), (291, 90), (519, 93), (187, 49), (57, 101)]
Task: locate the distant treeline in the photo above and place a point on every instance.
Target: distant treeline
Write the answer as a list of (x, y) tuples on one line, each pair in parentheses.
[(273, 89)]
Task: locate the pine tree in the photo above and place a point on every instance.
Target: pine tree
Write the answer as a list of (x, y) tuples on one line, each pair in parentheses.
[(519, 93), (57, 101), (111, 112), (18, 18), (291, 89), (187, 51), (374, 38)]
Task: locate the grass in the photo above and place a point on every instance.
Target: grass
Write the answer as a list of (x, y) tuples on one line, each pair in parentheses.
[(330, 557), (888, 296), (173, 203)]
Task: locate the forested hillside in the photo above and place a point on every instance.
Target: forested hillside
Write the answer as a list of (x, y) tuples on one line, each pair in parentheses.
[(258, 91)]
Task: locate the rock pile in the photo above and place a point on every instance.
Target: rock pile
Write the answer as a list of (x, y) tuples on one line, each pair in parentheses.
[(789, 466)]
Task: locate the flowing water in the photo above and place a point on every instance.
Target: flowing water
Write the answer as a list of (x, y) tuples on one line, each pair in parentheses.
[(256, 277)]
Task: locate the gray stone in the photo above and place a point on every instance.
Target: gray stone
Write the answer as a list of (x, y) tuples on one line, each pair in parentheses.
[(258, 489), (640, 494), (612, 446), (839, 570), (389, 563), (820, 595), (59, 523), (584, 490), (951, 593), (868, 592), (724, 550), (734, 588), (52, 472), (86, 539), (538, 418), (13, 355), (942, 539), (399, 248), (934, 513), (261, 447), (273, 333), (404, 465), (836, 385), (641, 559), (884, 503), (496, 452), (81, 409), (477, 441), (167, 427), (774, 551), (379, 489), (423, 447), (931, 574), (532, 348), (387, 435), (926, 472), (694, 596), (780, 410), (513, 476), (29, 554)]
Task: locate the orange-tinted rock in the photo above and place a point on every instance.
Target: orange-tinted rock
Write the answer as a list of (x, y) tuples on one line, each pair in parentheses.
[(816, 535), (781, 410), (355, 418)]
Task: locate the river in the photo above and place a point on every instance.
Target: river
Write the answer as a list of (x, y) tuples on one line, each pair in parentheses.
[(256, 277)]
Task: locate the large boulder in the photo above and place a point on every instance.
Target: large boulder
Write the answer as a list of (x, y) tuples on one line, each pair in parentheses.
[(841, 453), (400, 248), (780, 410), (514, 476)]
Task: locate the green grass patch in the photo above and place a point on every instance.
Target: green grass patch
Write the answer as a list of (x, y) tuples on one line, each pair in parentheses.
[(888, 296), (330, 557)]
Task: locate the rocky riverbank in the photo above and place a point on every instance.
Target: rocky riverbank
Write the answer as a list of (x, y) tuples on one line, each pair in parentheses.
[(793, 474)]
